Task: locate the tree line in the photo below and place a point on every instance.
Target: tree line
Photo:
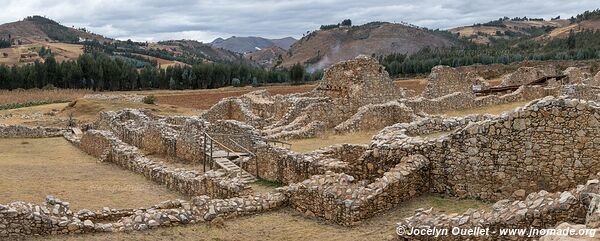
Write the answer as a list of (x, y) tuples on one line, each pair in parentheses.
[(101, 72), (577, 46)]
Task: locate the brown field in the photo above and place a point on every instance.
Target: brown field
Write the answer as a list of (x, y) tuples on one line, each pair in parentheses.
[(311, 144), (37, 95), (62, 51), (417, 85), (34, 168), (84, 110), (493, 110), (287, 224), (204, 99)]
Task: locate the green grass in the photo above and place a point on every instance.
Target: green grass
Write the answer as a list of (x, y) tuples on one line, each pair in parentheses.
[(29, 104), (269, 183)]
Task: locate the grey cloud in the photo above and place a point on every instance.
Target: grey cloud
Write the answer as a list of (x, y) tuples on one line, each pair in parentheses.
[(206, 19)]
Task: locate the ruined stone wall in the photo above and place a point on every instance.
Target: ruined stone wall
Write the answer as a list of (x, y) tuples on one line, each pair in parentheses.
[(547, 145), (234, 134), (445, 80), (576, 75), (17, 131), (525, 75), (20, 220), (179, 137), (344, 200), (375, 117), (538, 210), (107, 147), (460, 101), (282, 165), (231, 109), (362, 79)]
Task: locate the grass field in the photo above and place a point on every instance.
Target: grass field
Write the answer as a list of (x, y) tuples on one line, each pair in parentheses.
[(311, 144), (287, 224), (34, 168)]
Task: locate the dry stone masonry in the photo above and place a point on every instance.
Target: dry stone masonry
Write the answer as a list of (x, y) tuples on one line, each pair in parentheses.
[(531, 161)]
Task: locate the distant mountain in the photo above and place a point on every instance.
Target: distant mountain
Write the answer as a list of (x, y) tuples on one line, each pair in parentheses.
[(251, 44), (37, 28), (322, 48)]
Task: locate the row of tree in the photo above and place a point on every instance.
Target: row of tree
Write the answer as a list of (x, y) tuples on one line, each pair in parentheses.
[(101, 72), (577, 46), (5, 43)]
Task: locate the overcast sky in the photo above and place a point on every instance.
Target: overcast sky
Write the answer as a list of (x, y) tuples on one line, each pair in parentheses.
[(153, 20)]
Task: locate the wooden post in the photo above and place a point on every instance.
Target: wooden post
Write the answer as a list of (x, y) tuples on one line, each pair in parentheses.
[(211, 155)]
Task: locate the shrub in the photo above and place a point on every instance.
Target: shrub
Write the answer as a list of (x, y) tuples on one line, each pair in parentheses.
[(48, 87), (149, 99)]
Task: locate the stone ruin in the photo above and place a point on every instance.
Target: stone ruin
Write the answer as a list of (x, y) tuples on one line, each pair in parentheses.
[(445, 80), (539, 163), (525, 75)]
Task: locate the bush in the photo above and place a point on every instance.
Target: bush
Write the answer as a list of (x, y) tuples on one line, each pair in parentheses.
[(48, 87), (149, 99)]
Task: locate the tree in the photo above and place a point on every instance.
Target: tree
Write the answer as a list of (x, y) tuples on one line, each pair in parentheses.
[(347, 22), (297, 73)]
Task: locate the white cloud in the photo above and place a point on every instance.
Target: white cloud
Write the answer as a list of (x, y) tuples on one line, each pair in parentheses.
[(204, 20)]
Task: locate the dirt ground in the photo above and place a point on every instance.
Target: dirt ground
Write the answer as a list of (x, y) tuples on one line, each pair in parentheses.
[(34, 168), (493, 110), (37, 95), (204, 99), (287, 224), (84, 110), (311, 144)]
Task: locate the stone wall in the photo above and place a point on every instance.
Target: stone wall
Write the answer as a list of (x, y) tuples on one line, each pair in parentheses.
[(548, 145), (180, 137), (525, 75), (19, 219), (344, 200), (445, 80), (17, 131), (538, 210), (376, 117), (362, 79), (461, 101), (576, 75), (104, 145)]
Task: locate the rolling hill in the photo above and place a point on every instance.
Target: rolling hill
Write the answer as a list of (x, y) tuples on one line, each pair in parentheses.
[(36, 28), (268, 57), (506, 29), (322, 48), (251, 44)]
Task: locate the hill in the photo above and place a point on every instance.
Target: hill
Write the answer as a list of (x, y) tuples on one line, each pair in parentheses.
[(563, 32), (251, 44), (322, 48), (35, 34), (506, 28), (268, 57), (36, 28), (191, 51)]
